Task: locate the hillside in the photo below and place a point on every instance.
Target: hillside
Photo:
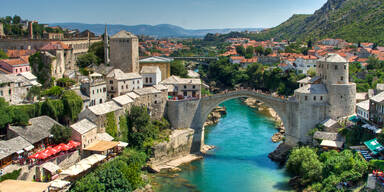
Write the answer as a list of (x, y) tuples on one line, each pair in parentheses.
[(353, 20), (163, 30)]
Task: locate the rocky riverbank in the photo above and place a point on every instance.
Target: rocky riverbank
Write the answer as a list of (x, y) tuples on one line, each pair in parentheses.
[(215, 115), (253, 103)]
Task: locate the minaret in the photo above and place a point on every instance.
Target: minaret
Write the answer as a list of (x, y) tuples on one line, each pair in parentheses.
[(106, 46)]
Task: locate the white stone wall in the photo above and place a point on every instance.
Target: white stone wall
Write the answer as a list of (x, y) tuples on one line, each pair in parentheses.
[(98, 94), (342, 100), (14, 93)]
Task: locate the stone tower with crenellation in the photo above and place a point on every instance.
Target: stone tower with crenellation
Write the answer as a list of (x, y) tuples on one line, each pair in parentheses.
[(124, 52), (334, 72)]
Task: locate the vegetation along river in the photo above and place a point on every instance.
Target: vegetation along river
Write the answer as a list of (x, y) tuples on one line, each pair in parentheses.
[(239, 163)]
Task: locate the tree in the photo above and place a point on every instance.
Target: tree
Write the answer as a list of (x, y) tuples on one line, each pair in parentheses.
[(311, 72), (3, 55), (249, 52), (5, 118), (16, 19), (268, 51), (60, 134), (98, 49), (240, 50), (259, 50), (178, 69), (87, 60)]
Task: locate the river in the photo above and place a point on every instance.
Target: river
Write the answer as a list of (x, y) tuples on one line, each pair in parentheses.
[(239, 163)]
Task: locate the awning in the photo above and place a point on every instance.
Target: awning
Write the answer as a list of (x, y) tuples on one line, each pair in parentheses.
[(102, 146), (29, 148), (59, 184), (374, 146), (20, 152), (329, 143), (51, 167), (122, 144)]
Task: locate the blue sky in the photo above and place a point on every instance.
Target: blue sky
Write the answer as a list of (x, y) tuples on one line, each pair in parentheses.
[(191, 14)]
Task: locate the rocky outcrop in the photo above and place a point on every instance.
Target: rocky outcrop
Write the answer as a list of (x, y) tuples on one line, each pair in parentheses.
[(280, 154), (215, 115)]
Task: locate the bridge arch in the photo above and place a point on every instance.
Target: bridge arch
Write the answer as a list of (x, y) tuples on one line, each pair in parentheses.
[(207, 104)]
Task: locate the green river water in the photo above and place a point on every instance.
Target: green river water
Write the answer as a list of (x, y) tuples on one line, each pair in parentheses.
[(239, 163)]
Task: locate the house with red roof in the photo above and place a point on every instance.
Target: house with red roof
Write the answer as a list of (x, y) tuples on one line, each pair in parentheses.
[(236, 59), (15, 66)]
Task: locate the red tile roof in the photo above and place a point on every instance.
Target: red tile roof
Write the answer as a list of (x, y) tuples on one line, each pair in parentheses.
[(12, 62), (18, 53), (55, 45)]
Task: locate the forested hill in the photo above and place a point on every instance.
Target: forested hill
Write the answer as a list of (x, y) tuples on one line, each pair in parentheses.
[(353, 20)]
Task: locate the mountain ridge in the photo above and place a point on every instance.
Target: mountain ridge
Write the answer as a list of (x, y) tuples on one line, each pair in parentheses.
[(352, 20), (161, 30)]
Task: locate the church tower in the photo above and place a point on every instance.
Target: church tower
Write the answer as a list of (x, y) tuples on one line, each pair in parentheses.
[(106, 46)]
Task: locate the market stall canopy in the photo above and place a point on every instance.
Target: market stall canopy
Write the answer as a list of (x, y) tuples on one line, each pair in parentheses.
[(93, 159), (374, 146), (75, 169), (334, 144)]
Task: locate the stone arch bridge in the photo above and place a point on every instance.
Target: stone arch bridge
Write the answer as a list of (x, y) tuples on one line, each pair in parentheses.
[(297, 118)]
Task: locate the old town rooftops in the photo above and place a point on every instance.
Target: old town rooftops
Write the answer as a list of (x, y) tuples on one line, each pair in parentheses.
[(146, 91), (15, 62), (13, 78), (11, 146), (120, 75), (55, 45), (123, 34), (133, 95), (155, 60), (378, 98), (83, 126), (104, 108), (122, 100), (178, 80), (38, 129), (149, 69), (312, 89), (364, 105)]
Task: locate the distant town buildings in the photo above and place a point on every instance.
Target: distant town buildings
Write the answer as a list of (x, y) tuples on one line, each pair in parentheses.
[(163, 63)]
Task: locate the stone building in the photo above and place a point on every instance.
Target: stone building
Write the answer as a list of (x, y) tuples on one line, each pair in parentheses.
[(124, 101), (164, 65), (183, 87), (98, 114), (85, 132), (153, 99), (95, 88), (59, 56), (120, 83), (13, 88), (124, 52), (151, 75), (362, 110), (376, 109)]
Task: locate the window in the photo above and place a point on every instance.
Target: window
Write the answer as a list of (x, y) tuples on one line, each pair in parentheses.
[(110, 82), (146, 80), (101, 100), (10, 91), (21, 69), (104, 89), (122, 87), (150, 80), (155, 102), (342, 78), (345, 66), (16, 70), (185, 93), (93, 91), (138, 81), (194, 86), (112, 88), (335, 67), (185, 86), (306, 98), (321, 98), (314, 98)]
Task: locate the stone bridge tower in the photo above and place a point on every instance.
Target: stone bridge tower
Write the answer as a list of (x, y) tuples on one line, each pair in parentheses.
[(124, 51)]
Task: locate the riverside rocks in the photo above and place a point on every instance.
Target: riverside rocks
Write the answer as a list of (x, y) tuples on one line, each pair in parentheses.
[(215, 115), (280, 154)]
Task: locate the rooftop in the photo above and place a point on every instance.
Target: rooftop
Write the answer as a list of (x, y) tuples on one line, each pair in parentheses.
[(13, 78), (378, 98), (333, 58), (120, 75), (102, 146), (327, 136), (146, 91), (38, 129), (160, 87), (329, 123), (364, 105), (11, 146), (178, 80), (123, 34), (122, 100), (15, 62), (104, 108), (155, 60), (105, 137), (28, 75), (133, 95), (312, 89), (55, 45), (83, 126), (149, 69)]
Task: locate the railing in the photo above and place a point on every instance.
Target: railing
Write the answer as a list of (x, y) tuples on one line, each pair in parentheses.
[(258, 91)]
